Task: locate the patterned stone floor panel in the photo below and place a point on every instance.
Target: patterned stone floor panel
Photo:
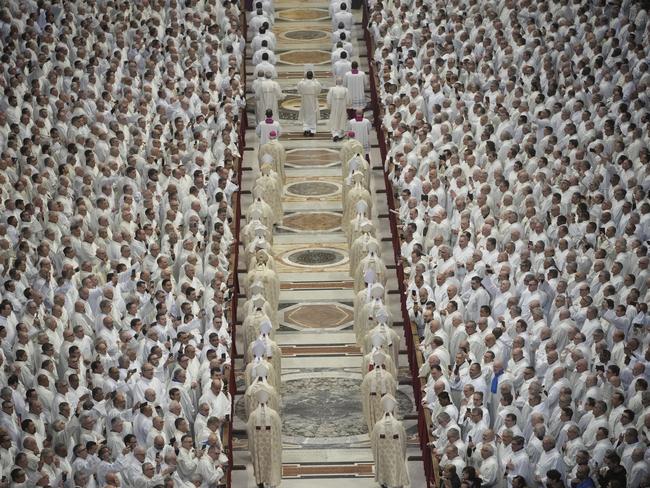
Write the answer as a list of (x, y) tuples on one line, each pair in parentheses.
[(328, 336), (310, 258), (301, 14), (294, 351), (312, 188), (318, 315), (296, 57), (328, 471), (305, 157), (314, 222)]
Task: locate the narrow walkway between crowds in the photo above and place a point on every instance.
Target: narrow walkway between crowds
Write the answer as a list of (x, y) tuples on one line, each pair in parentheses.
[(325, 438)]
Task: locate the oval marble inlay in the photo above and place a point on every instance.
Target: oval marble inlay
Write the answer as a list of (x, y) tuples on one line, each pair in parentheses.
[(303, 14), (312, 188), (316, 257), (305, 35), (319, 315), (312, 221), (304, 57)]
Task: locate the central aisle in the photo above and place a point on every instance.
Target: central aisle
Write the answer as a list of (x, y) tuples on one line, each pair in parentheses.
[(325, 439)]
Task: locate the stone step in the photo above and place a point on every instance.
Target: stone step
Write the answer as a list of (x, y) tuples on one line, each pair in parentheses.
[(322, 337), (323, 456)]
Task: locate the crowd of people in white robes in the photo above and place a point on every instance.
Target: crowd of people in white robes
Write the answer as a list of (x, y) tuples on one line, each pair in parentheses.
[(119, 126), (517, 143)]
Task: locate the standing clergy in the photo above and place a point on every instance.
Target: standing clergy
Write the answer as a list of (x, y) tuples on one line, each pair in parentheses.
[(356, 82), (272, 352), (343, 16), (269, 93), (257, 56), (388, 440), (274, 153), (338, 101), (268, 128), (359, 247), (264, 429), (259, 106), (259, 357), (375, 385), (269, 279), (361, 127), (518, 463), (489, 467), (270, 184), (309, 89), (354, 195), (260, 373), (265, 65), (342, 66), (349, 149)]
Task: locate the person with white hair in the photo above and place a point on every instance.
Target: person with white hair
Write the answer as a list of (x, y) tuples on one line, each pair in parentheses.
[(269, 93), (309, 90), (338, 102)]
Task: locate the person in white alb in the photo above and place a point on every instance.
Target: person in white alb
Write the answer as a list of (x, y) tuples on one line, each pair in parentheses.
[(309, 90)]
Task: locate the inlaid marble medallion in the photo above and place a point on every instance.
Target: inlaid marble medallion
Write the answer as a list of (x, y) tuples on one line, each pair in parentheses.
[(303, 14), (331, 257), (305, 35), (312, 221), (316, 257), (312, 188), (302, 57), (318, 315)]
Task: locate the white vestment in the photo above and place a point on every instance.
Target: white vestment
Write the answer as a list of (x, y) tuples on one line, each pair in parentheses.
[(338, 101), (265, 443), (309, 111), (361, 129), (355, 82), (269, 93), (388, 440), (265, 128)]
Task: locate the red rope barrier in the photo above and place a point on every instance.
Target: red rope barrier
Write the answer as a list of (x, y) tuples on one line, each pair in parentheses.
[(424, 431)]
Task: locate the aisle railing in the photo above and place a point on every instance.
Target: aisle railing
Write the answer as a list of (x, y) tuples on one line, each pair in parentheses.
[(234, 277), (415, 357)]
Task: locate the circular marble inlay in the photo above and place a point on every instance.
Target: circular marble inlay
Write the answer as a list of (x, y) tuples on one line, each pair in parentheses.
[(303, 14), (305, 35), (312, 188), (312, 221), (316, 257), (303, 57), (319, 315)]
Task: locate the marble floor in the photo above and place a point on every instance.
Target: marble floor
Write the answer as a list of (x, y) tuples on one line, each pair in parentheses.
[(325, 440)]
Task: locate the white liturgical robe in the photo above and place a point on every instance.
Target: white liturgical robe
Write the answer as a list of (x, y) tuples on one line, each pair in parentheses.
[(361, 128), (309, 114), (355, 81), (338, 101)]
